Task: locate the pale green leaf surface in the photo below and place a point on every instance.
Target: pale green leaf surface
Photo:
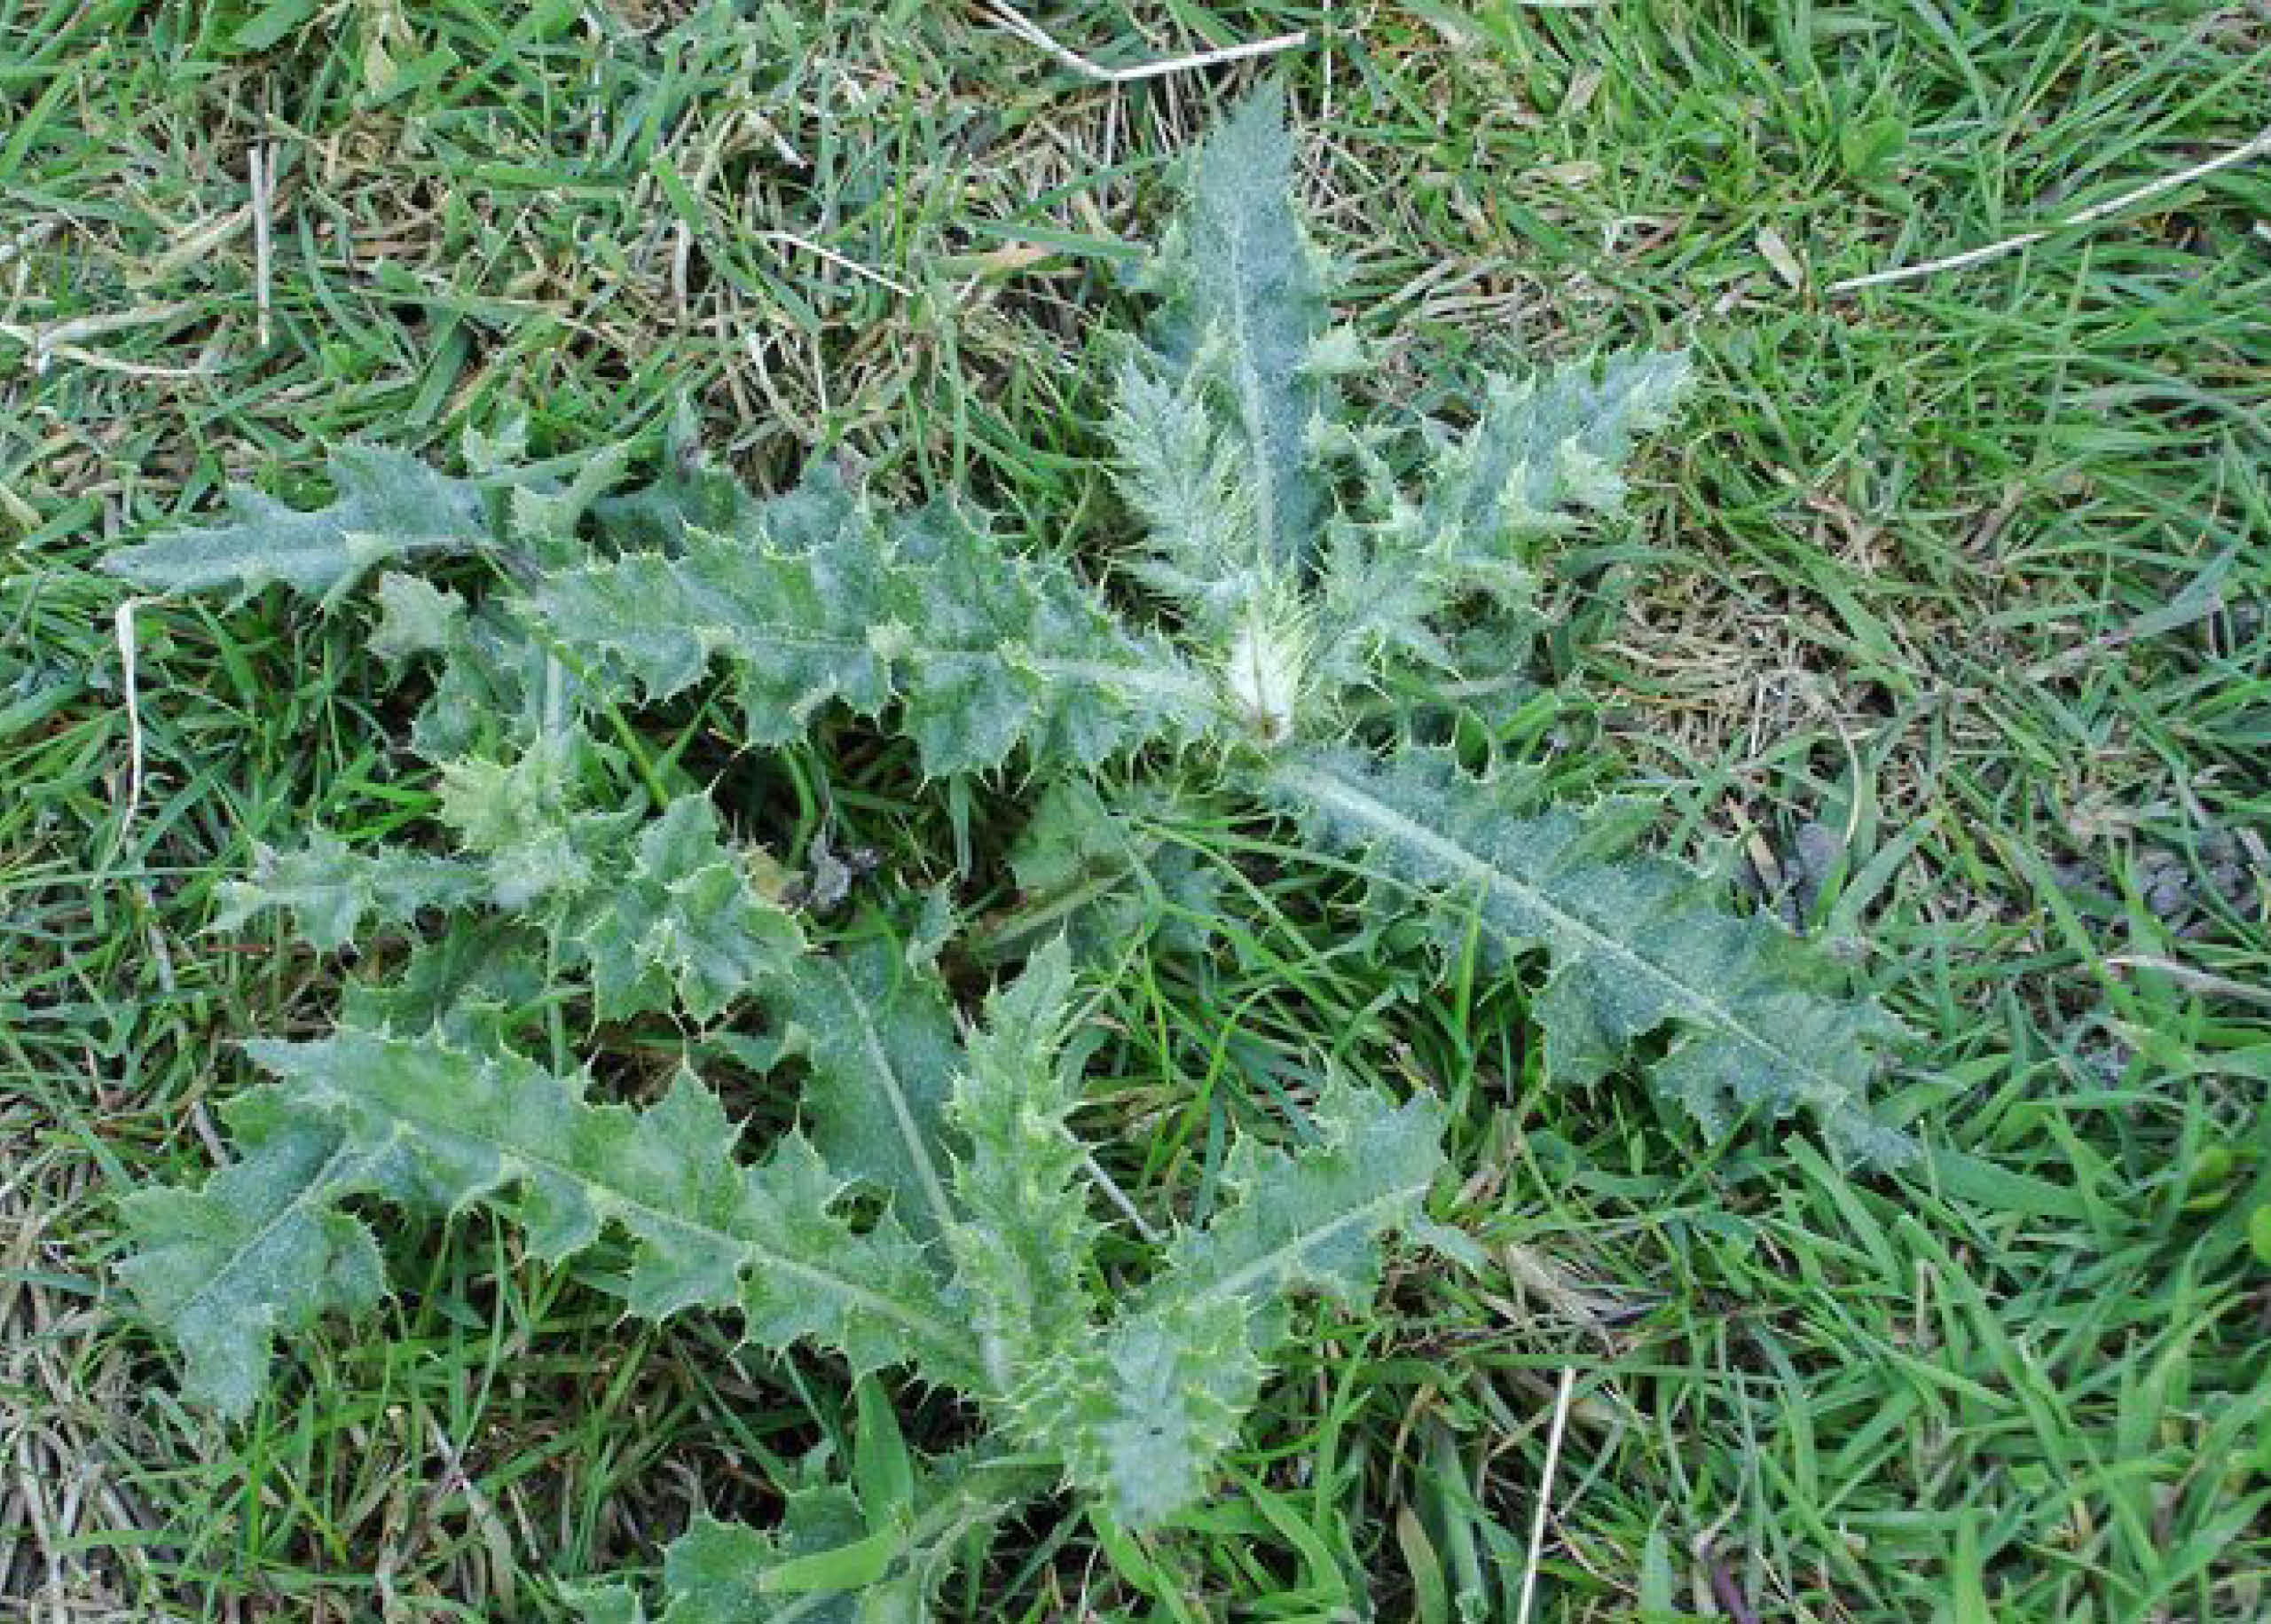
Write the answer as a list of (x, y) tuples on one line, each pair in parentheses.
[(984, 651), (526, 819), (330, 888), (259, 1253), (881, 1043), (683, 923), (1142, 1414), (833, 1560), (1088, 870), (443, 1127), (389, 506), (1142, 1418), (1544, 448), (1243, 312), (1023, 1237), (1637, 943), (1310, 1219), (415, 618)]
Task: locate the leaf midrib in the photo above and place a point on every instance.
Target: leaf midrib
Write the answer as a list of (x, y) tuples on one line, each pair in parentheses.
[(1692, 1001), (406, 1121), (1238, 1282)]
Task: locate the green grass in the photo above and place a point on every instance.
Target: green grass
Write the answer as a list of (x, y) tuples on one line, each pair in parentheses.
[(1942, 619)]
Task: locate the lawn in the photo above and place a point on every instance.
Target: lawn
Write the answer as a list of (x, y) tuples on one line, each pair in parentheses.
[(1940, 625)]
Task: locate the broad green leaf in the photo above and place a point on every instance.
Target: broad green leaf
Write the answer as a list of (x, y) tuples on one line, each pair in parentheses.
[(330, 888), (415, 618), (833, 1559), (1310, 1219), (1024, 1239), (1143, 1417), (260, 1252), (1143, 1414), (1637, 943), (682, 923), (389, 506), (443, 1127), (1089, 871), (881, 1042), (828, 601), (1243, 312), (1543, 448)]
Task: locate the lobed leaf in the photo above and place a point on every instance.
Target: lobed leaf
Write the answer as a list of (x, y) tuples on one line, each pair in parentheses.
[(1637, 943), (682, 924), (1089, 871), (880, 1039), (389, 506), (828, 601), (833, 1559), (329, 888), (1142, 1414), (1023, 1240), (261, 1252), (1310, 1219), (1242, 316), (1542, 448), (440, 1127)]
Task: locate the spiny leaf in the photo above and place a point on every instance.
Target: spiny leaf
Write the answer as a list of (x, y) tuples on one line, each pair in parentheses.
[(1243, 313), (1142, 1414), (329, 887), (415, 618), (881, 1042), (984, 651), (1544, 450), (443, 1127), (1089, 870), (1543, 447), (682, 921), (1024, 1240), (1183, 471), (1142, 1418), (492, 691), (260, 1251), (389, 506), (1637, 943), (833, 1559), (526, 819), (1310, 1219)]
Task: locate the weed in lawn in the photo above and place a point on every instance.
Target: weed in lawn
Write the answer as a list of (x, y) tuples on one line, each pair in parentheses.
[(1903, 581)]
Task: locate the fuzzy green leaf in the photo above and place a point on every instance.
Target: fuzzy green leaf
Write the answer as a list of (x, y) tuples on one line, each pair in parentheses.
[(259, 1253), (1143, 1419), (1637, 943), (684, 922), (1542, 448), (1087, 869), (443, 1127), (389, 506), (1242, 316), (881, 1042), (329, 888), (833, 1559), (1310, 1219), (491, 691), (525, 818), (1141, 1415), (1024, 1239), (829, 601), (415, 618)]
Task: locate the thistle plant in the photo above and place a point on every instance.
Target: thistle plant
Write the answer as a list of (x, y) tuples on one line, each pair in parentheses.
[(935, 1216)]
